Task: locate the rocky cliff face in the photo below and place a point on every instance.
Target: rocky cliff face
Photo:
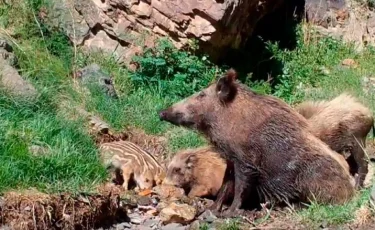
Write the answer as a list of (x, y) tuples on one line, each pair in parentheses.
[(122, 26)]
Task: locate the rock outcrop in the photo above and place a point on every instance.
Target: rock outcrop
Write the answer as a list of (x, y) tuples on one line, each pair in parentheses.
[(10, 79), (122, 26), (350, 21)]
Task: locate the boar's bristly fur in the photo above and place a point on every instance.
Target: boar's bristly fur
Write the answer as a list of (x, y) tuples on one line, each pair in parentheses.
[(268, 143), (343, 123)]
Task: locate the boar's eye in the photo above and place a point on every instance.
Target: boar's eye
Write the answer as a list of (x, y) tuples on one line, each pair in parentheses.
[(201, 94), (177, 170)]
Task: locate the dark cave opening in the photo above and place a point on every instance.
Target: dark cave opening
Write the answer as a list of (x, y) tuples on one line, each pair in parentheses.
[(278, 26)]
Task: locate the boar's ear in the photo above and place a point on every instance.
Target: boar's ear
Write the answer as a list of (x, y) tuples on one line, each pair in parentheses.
[(225, 88)]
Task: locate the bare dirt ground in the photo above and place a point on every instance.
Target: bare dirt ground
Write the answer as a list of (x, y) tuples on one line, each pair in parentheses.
[(109, 206), (35, 210)]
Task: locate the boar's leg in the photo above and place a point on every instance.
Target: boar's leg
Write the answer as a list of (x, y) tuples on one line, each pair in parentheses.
[(243, 180), (353, 166), (359, 157), (226, 190)]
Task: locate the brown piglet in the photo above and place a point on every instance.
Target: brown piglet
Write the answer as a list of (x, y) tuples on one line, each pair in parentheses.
[(199, 171)]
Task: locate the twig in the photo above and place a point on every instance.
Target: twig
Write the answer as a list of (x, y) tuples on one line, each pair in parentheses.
[(34, 219), (41, 32), (74, 43)]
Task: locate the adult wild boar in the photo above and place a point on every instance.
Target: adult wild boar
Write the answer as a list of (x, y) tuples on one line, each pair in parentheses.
[(343, 123), (267, 145)]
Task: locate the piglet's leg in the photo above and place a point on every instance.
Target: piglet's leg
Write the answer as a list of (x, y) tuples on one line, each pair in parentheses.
[(126, 174), (226, 190), (198, 191)]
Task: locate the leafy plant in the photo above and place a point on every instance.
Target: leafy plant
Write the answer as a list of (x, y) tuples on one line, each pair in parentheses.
[(172, 71), (305, 66)]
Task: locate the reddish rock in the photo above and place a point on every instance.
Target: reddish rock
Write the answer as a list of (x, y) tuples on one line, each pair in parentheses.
[(219, 24)]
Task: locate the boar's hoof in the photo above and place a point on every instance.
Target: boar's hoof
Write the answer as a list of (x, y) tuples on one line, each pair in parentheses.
[(358, 183), (230, 213), (215, 207)]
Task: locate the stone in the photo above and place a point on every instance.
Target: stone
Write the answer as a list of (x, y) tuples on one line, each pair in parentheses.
[(349, 62), (200, 26), (142, 9), (5, 227), (127, 3), (195, 225), (323, 12), (207, 216), (135, 218), (4, 44), (101, 41), (220, 24), (124, 225), (142, 227), (12, 82), (93, 76), (173, 226), (62, 15), (163, 21), (151, 223), (97, 125), (168, 192), (6, 52), (144, 201), (177, 213), (89, 11), (344, 20)]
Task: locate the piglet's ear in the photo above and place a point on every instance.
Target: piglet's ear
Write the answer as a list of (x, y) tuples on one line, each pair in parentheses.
[(190, 161), (226, 88)]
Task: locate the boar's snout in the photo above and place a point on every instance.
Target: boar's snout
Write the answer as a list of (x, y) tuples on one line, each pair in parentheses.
[(176, 117), (163, 114), (171, 116)]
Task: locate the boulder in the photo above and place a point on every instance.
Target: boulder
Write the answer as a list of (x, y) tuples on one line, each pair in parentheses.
[(12, 82), (218, 24), (62, 15), (93, 76), (177, 213), (6, 52)]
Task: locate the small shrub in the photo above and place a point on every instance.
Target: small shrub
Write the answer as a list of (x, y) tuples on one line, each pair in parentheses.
[(303, 66), (259, 86), (171, 71)]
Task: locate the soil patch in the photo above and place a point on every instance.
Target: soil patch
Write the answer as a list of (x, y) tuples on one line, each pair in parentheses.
[(35, 210)]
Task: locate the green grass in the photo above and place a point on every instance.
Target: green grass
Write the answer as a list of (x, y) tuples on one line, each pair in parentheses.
[(70, 159), (334, 214), (230, 225), (312, 70)]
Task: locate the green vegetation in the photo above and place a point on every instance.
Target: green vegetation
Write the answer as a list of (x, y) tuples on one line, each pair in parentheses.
[(334, 215), (67, 157), (312, 70), (172, 72), (231, 225)]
